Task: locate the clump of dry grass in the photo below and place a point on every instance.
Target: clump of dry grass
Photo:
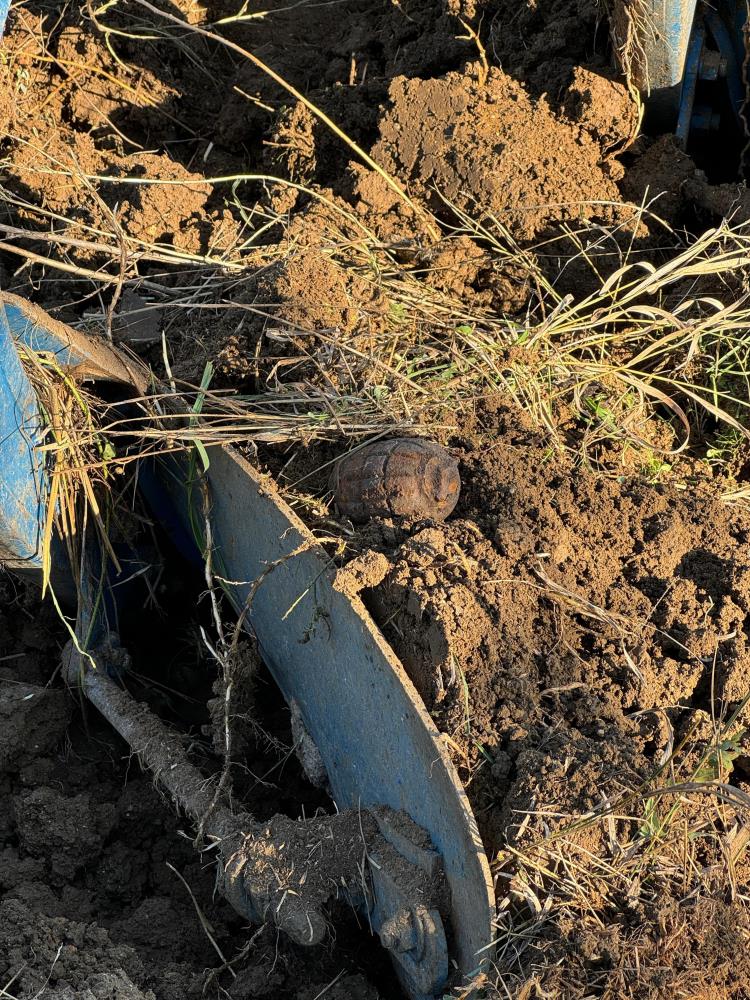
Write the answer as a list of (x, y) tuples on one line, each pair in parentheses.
[(662, 342), (79, 458)]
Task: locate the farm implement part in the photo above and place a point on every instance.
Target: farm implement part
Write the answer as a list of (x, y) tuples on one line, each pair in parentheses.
[(403, 847), (689, 63)]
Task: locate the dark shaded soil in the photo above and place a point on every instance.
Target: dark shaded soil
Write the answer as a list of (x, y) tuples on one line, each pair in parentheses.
[(89, 906)]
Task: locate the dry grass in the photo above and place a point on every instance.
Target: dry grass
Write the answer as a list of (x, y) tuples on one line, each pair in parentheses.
[(614, 901), (90, 444), (647, 360), (79, 458)]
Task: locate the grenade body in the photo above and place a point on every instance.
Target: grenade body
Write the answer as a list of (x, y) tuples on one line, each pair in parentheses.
[(401, 478)]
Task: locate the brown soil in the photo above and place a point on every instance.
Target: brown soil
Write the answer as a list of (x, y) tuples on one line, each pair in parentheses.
[(485, 142), (562, 595), (542, 44), (564, 627)]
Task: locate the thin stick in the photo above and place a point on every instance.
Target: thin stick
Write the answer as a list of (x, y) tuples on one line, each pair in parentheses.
[(208, 929)]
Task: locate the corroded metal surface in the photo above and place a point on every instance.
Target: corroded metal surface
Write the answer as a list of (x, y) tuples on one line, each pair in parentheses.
[(401, 477)]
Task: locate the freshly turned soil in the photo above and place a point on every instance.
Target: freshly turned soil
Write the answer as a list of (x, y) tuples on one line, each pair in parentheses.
[(560, 625)]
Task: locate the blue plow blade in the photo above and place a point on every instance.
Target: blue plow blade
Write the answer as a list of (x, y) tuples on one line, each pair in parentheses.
[(376, 740)]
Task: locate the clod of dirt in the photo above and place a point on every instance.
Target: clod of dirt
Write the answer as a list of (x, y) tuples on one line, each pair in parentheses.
[(290, 149), (563, 775), (97, 98), (462, 269), (430, 614), (55, 188), (685, 949), (32, 722), (342, 56), (153, 922), (719, 201), (603, 107), (330, 306), (487, 147), (367, 570), (542, 41), (161, 202), (68, 832), (39, 953), (169, 211), (658, 177)]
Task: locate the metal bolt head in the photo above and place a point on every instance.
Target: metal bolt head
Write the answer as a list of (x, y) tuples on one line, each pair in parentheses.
[(398, 933)]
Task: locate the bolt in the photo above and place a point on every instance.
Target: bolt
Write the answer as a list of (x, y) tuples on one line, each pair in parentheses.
[(398, 933), (713, 66)]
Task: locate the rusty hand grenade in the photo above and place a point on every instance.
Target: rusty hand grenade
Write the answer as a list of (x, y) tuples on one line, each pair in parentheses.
[(401, 477)]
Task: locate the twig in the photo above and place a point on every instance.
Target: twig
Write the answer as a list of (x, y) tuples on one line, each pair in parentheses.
[(209, 931)]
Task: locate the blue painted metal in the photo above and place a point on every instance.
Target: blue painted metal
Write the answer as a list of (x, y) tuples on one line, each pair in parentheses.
[(658, 73), (4, 8), (676, 41), (378, 743), (26, 325), (677, 22), (23, 479), (689, 84), (23, 484), (728, 34)]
